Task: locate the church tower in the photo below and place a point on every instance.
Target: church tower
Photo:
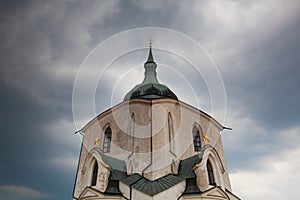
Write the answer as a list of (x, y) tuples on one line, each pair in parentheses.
[(152, 146)]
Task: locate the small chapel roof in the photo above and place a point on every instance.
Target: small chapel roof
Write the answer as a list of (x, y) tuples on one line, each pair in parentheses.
[(150, 88), (187, 165)]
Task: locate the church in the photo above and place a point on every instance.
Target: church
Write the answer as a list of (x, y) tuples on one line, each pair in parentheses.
[(152, 146)]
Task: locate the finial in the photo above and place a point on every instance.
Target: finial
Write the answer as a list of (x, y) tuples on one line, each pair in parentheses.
[(150, 43)]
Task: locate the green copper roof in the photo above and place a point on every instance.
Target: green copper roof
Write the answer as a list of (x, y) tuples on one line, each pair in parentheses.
[(113, 187), (150, 91), (118, 166), (186, 166), (152, 187), (133, 178), (150, 88), (150, 57), (191, 186)]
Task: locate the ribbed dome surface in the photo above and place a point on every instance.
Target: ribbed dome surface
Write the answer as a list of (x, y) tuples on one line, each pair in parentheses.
[(150, 91)]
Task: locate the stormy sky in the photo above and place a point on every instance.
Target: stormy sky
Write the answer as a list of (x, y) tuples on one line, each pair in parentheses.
[(254, 44)]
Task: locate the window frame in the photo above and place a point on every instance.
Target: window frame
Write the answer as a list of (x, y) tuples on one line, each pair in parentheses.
[(196, 138), (210, 173), (107, 140), (95, 174)]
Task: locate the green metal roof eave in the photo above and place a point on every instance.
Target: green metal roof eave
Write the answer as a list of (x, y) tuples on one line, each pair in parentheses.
[(149, 187), (131, 179), (128, 95), (186, 166), (117, 166), (150, 91), (154, 187)]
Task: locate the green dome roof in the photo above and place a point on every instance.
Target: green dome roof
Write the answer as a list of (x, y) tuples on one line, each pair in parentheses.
[(150, 88), (150, 91)]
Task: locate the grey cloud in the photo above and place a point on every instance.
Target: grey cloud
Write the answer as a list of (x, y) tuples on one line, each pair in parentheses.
[(35, 95), (270, 80), (44, 42)]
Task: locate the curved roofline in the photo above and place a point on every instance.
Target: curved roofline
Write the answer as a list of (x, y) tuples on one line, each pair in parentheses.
[(204, 113), (190, 107)]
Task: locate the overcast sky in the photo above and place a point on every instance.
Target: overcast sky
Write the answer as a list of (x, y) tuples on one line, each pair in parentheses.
[(255, 45)]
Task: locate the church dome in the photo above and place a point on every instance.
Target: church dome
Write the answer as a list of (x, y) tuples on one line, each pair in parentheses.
[(150, 88)]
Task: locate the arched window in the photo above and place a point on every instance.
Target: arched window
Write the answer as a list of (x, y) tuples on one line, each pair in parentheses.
[(95, 173), (171, 133), (107, 140), (196, 139), (210, 173)]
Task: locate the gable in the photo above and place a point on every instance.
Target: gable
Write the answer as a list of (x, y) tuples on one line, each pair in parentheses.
[(215, 193), (90, 193)]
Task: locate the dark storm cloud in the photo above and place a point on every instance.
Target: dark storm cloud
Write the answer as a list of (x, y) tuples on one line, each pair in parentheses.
[(262, 83), (271, 78), (257, 54), (26, 144), (137, 13), (38, 55), (44, 42)]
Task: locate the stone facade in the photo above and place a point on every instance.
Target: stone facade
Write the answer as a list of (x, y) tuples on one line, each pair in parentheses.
[(151, 137), (152, 147)]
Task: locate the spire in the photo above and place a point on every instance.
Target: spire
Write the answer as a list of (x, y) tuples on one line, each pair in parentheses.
[(150, 88), (150, 56), (150, 68)]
